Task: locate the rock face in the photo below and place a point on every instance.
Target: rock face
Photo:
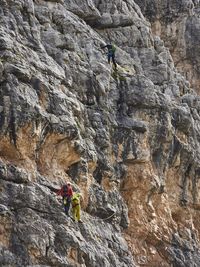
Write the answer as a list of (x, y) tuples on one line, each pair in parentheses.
[(177, 23), (128, 140)]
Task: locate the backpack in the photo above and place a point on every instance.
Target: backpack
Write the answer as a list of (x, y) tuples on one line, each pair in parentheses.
[(65, 190), (113, 48)]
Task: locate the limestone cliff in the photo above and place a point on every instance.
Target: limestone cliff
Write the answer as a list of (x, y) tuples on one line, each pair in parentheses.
[(128, 140), (177, 23)]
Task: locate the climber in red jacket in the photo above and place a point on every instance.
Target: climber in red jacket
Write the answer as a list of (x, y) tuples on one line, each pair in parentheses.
[(66, 192)]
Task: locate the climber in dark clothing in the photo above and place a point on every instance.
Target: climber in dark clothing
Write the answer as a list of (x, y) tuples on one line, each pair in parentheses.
[(111, 53)]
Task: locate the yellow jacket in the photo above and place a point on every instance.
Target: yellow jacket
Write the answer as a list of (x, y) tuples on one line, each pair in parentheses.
[(75, 200)]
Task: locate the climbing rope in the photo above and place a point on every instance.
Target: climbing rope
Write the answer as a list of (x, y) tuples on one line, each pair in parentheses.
[(105, 219), (109, 216)]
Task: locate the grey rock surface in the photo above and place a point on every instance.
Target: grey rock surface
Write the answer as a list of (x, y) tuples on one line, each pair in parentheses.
[(128, 140), (177, 23)]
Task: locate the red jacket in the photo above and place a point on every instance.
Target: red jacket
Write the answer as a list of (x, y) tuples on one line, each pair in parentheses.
[(65, 193)]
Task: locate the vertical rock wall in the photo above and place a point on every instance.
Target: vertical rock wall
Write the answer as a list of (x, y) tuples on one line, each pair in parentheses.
[(177, 23), (128, 140)]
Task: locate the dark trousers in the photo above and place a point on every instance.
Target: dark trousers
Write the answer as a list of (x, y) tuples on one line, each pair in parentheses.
[(112, 56), (66, 203)]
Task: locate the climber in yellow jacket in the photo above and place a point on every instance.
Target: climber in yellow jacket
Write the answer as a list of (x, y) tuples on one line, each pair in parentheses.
[(76, 207)]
